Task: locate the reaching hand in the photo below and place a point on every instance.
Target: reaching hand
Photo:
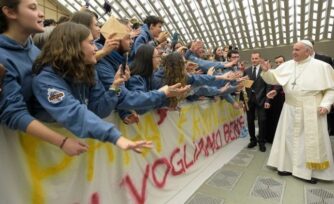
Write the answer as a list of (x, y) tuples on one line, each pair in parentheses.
[(136, 146), (225, 88), (211, 70), (73, 147), (231, 64), (132, 118), (228, 76), (181, 50), (191, 67), (175, 90)]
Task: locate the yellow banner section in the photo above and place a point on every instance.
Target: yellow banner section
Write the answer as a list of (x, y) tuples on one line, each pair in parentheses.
[(183, 141)]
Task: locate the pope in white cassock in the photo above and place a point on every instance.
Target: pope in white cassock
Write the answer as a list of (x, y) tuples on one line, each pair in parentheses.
[(302, 146)]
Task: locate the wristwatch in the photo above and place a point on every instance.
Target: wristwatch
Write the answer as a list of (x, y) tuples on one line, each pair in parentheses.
[(116, 90)]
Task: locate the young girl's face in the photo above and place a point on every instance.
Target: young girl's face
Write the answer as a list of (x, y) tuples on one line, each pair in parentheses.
[(95, 29), (156, 59), (28, 16), (219, 51), (89, 49)]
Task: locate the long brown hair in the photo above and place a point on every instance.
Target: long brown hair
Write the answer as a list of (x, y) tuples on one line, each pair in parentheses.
[(12, 4), (174, 72), (83, 17), (64, 53)]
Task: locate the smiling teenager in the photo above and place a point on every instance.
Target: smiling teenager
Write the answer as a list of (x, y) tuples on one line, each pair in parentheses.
[(67, 87), (19, 19)]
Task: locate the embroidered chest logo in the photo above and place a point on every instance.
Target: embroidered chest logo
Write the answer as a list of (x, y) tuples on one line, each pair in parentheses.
[(55, 96)]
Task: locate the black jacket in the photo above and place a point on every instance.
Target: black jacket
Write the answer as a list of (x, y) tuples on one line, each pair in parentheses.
[(259, 88), (324, 58)]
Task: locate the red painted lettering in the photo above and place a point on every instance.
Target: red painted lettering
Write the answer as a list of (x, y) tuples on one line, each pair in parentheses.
[(95, 199), (139, 198), (159, 162), (188, 165), (227, 134), (178, 163), (219, 139)]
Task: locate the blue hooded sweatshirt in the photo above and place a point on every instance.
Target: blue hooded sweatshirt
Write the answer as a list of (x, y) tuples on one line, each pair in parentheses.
[(128, 100), (17, 92), (203, 65), (145, 37), (76, 106)]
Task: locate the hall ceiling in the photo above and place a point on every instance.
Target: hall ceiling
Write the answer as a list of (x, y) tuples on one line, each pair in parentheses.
[(246, 24)]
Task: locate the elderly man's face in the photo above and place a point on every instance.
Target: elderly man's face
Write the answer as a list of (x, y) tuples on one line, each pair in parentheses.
[(300, 52)]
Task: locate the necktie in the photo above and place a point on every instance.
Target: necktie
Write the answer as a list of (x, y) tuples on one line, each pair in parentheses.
[(254, 73)]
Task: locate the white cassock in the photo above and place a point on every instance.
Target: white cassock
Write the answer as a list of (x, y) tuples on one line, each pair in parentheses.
[(302, 145)]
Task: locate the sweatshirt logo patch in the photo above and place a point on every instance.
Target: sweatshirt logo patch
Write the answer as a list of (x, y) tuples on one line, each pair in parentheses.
[(55, 96)]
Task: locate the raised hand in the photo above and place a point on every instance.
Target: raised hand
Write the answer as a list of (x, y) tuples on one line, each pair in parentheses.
[(111, 43), (121, 78), (162, 37), (265, 65), (135, 33), (181, 50)]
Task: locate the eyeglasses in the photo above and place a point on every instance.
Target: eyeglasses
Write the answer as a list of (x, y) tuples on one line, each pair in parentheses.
[(235, 57)]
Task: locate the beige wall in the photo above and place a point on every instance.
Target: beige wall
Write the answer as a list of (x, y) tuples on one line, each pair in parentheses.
[(52, 9), (323, 47)]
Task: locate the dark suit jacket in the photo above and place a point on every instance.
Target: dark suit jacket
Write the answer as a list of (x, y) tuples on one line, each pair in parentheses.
[(259, 87), (324, 58)]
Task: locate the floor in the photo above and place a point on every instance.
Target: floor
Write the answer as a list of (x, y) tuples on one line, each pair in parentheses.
[(245, 178)]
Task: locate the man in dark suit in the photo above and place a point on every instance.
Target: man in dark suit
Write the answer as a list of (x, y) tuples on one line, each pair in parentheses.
[(330, 115), (277, 98), (257, 102), (324, 58)]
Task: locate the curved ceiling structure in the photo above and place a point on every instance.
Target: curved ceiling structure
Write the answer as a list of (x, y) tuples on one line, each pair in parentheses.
[(246, 24)]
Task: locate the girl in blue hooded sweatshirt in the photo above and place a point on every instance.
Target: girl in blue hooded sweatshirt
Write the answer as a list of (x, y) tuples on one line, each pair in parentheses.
[(67, 87), (18, 20)]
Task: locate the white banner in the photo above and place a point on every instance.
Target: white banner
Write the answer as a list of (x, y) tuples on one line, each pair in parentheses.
[(35, 172)]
